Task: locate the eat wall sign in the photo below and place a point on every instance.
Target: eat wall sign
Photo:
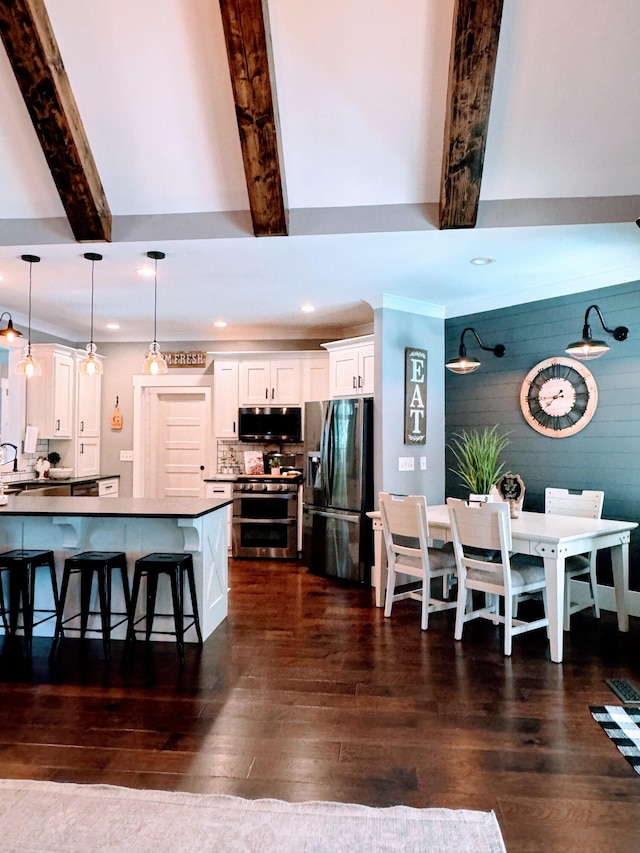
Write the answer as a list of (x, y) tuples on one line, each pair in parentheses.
[(415, 396)]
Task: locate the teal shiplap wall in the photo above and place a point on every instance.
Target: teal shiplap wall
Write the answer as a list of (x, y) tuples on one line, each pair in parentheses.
[(606, 453)]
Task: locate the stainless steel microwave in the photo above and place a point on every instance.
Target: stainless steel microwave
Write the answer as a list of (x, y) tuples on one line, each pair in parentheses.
[(282, 424)]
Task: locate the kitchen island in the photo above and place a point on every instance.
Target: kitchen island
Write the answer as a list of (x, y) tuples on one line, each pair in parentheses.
[(137, 526)]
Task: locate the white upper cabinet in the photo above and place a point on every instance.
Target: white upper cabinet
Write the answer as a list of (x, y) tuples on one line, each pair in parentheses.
[(225, 399), (50, 396), (88, 403), (315, 378), (275, 382), (351, 367)]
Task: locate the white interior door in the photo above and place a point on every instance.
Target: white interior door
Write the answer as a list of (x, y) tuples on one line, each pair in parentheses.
[(177, 444)]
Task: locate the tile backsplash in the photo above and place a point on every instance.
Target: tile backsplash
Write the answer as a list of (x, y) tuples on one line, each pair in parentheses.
[(230, 454), (27, 470)]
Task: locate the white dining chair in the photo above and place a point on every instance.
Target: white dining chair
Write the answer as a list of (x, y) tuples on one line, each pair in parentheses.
[(405, 532), (482, 547), (587, 504)]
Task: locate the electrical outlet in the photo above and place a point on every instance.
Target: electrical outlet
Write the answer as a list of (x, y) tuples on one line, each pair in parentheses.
[(126, 455), (423, 463), (405, 463)]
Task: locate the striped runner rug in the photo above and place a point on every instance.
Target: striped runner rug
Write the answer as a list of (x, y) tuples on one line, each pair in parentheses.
[(622, 725)]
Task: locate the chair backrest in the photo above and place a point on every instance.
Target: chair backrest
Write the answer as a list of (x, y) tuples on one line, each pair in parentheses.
[(404, 522), (587, 504), (487, 527)]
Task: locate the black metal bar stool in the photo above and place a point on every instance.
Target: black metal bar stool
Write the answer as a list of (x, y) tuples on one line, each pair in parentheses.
[(103, 563), (22, 566), (176, 566)]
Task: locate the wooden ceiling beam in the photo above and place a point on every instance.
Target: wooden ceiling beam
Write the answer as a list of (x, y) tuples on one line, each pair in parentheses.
[(247, 35), (474, 49), (33, 52)]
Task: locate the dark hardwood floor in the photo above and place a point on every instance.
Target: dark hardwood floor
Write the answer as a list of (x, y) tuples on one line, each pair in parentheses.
[(308, 692)]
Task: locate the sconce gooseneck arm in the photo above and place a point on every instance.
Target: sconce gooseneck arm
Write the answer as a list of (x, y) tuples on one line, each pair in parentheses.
[(619, 333), (498, 350)]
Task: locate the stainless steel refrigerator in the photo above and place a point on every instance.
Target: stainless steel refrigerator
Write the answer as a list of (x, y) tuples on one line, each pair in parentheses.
[(337, 538)]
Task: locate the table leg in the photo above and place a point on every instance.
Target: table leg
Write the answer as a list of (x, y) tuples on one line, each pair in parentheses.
[(554, 577), (620, 565), (379, 571)]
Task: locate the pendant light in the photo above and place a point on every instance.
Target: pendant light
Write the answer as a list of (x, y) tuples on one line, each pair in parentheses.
[(28, 366), (90, 364), (155, 363)]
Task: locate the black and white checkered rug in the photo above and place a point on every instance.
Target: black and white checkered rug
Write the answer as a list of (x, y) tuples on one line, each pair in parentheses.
[(623, 727)]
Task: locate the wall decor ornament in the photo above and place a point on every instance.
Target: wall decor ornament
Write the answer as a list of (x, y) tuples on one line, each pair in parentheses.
[(415, 396), (558, 397)]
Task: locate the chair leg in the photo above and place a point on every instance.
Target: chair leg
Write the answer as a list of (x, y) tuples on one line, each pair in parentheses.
[(86, 583), (59, 632), (131, 634), (152, 589), (593, 584), (194, 600), (104, 594), (391, 586), (460, 609), (3, 607), (426, 591), (508, 623), (177, 589)]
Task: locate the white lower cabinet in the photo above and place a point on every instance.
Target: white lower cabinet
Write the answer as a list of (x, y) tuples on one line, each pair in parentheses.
[(87, 457), (109, 488), (223, 491)]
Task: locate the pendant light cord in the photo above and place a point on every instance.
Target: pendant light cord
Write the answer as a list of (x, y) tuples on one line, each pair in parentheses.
[(29, 335), (93, 263), (155, 299)]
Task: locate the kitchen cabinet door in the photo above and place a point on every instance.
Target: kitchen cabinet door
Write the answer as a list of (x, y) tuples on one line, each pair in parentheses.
[(88, 394), (351, 367), (87, 458), (265, 383), (225, 399), (50, 397)]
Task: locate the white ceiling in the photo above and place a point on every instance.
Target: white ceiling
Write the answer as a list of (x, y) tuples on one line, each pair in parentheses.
[(361, 89)]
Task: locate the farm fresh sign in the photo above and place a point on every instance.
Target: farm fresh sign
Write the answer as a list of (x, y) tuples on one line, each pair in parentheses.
[(415, 396)]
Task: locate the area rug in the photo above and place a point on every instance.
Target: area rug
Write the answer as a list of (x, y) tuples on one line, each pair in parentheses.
[(52, 817), (623, 727)]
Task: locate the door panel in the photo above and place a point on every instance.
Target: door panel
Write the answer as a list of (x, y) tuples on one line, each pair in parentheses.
[(178, 437)]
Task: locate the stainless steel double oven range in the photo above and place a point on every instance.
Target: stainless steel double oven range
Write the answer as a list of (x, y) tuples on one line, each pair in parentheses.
[(265, 518)]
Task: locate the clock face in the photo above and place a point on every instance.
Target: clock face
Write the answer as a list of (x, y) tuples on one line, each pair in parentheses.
[(558, 397)]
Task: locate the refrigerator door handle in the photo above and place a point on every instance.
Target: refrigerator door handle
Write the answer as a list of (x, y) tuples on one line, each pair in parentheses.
[(341, 516)]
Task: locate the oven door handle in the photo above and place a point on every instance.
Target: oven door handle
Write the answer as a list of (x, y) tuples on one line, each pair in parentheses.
[(341, 516)]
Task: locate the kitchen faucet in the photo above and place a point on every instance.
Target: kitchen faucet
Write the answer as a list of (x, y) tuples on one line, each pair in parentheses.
[(15, 456)]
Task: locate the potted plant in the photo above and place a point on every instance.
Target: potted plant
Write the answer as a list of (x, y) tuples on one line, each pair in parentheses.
[(274, 464), (53, 458), (477, 453)]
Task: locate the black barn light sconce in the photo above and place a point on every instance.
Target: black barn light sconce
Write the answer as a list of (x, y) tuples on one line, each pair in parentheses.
[(467, 364), (588, 349), (9, 334)]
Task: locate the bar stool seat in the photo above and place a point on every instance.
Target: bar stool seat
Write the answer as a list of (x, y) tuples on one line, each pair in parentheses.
[(22, 565), (103, 563), (176, 566)]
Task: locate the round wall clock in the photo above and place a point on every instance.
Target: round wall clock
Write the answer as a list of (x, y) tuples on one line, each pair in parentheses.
[(558, 397)]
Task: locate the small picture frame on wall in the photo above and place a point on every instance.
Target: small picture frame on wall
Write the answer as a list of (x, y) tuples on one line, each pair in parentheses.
[(415, 396)]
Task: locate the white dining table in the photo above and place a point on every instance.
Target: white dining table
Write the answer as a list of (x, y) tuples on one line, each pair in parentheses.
[(551, 537)]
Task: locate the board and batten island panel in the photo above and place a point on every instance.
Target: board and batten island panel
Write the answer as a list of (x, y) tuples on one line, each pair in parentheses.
[(137, 526)]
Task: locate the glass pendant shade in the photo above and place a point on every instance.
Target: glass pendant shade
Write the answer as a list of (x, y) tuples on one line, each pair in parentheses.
[(90, 365), (155, 364), (28, 366)]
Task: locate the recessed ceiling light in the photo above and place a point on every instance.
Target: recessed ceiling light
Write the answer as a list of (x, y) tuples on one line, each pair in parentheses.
[(146, 272), (113, 326), (220, 324), (481, 262), (308, 309)]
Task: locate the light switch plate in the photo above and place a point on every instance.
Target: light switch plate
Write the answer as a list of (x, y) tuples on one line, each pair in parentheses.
[(405, 463), (126, 455), (423, 463)]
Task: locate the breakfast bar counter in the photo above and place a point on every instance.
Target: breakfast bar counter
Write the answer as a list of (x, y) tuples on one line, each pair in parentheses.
[(137, 526)]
